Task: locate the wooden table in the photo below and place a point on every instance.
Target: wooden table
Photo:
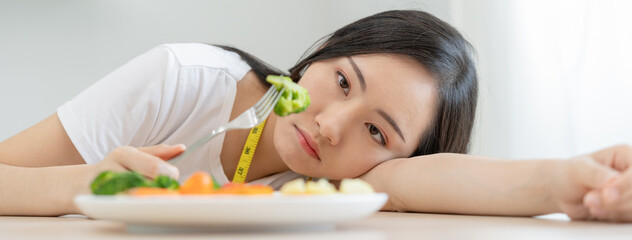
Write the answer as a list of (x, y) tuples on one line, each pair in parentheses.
[(383, 225)]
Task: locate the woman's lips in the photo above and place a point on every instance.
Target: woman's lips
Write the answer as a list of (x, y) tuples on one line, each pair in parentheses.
[(307, 143)]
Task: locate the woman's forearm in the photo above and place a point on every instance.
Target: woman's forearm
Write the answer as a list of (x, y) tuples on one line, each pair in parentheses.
[(42, 191), (466, 184)]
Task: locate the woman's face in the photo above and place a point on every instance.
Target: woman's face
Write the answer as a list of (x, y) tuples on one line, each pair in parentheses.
[(365, 109)]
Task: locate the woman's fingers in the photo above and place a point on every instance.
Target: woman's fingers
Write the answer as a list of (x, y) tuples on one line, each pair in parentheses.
[(613, 200), (618, 157), (611, 194), (616, 196), (583, 174), (594, 175), (163, 151), (592, 200), (576, 211), (143, 162)]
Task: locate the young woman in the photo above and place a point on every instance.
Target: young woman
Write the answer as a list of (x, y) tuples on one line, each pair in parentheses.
[(393, 102)]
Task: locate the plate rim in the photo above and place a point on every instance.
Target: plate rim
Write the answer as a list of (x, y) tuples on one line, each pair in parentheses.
[(359, 205)]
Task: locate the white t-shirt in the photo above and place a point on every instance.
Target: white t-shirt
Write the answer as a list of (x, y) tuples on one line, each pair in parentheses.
[(174, 93)]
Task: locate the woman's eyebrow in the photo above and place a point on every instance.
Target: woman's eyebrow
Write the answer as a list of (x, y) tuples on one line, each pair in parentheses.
[(385, 115), (390, 120), (358, 73)]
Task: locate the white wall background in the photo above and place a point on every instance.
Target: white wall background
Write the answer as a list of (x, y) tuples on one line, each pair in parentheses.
[(550, 84), (555, 75)]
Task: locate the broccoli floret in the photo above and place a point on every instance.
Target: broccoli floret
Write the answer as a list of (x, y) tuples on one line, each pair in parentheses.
[(110, 183), (163, 181), (294, 98)]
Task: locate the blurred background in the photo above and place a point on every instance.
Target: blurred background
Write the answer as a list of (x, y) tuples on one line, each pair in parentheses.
[(554, 75)]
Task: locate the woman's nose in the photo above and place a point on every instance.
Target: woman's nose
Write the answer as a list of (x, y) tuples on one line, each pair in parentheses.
[(328, 128), (336, 120)]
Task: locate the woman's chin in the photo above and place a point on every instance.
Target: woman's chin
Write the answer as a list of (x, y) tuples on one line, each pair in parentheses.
[(303, 170)]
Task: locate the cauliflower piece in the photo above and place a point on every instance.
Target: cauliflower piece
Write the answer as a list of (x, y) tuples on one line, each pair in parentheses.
[(322, 186), (355, 186), (296, 186)]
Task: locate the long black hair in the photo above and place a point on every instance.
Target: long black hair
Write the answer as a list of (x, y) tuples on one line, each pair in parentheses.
[(436, 45)]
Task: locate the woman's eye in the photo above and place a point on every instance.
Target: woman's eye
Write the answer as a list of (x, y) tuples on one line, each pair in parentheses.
[(343, 83), (376, 134)]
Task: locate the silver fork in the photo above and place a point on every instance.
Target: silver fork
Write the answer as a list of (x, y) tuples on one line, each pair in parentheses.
[(250, 118)]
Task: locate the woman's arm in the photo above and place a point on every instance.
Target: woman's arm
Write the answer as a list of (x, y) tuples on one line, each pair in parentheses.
[(466, 184), (38, 171), (49, 191), (44, 144), (43, 191), (41, 171)]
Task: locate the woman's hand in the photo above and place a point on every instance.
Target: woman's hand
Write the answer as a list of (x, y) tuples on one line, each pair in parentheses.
[(613, 201), (573, 179), (148, 161)]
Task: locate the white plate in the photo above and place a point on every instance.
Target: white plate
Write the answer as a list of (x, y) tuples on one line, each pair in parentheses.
[(232, 210)]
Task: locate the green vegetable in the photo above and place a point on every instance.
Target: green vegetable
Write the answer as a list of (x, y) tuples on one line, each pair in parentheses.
[(163, 181), (215, 184), (110, 183), (293, 100)]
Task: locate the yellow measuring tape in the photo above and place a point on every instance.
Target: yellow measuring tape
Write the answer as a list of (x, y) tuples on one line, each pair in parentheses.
[(246, 154)]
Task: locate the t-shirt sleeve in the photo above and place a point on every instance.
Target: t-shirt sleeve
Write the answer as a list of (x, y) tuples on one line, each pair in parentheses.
[(123, 107)]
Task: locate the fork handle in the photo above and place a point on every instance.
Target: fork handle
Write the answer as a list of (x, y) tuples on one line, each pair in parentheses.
[(197, 144)]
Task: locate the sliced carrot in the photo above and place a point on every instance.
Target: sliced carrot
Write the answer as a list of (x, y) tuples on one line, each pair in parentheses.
[(240, 188), (151, 191), (198, 183), (259, 189)]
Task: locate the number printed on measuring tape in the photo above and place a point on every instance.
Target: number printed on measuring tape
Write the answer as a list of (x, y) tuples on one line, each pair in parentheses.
[(248, 152)]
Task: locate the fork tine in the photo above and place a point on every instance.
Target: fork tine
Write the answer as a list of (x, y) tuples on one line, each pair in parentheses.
[(265, 102), (270, 106), (265, 97)]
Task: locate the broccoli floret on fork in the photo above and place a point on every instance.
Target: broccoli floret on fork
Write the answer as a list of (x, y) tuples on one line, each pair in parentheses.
[(293, 100)]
